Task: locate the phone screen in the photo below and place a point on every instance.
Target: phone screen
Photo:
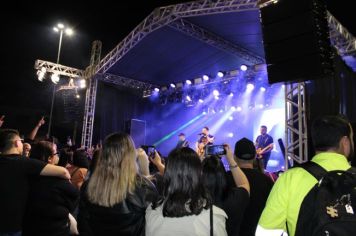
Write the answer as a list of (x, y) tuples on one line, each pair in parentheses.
[(215, 150)]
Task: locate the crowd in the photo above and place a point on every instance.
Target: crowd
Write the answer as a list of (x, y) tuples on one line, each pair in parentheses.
[(115, 189)]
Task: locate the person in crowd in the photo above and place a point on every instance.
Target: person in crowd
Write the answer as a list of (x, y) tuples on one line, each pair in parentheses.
[(143, 162), (26, 150), (51, 199), (232, 199), (260, 185), (79, 169), (185, 207), (15, 172), (182, 142), (32, 135), (332, 138), (264, 146), (114, 199), (65, 156), (205, 134)]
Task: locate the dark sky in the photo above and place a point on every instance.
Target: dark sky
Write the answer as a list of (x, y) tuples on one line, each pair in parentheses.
[(27, 35)]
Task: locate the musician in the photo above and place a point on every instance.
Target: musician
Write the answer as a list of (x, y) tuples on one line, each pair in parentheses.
[(205, 134), (182, 142), (264, 145), (200, 147)]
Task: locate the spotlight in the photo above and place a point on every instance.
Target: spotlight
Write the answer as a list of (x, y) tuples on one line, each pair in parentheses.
[(261, 106), (189, 82), (233, 108), (239, 109), (216, 97), (55, 78), (243, 67), (213, 111), (204, 112), (201, 100), (231, 94), (188, 98), (231, 118), (41, 73), (221, 110), (262, 89), (61, 26), (156, 90), (216, 93), (172, 85), (230, 135), (69, 32), (283, 86), (77, 96), (82, 83), (220, 74), (205, 77), (250, 87)]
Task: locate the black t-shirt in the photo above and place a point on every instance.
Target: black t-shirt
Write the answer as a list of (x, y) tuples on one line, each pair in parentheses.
[(14, 177), (260, 187), (234, 206)]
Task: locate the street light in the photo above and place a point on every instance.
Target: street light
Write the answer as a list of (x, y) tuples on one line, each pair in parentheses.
[(60, 28)]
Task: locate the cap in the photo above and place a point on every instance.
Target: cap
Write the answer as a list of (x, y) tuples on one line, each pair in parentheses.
[(181, 134), (245, 149)]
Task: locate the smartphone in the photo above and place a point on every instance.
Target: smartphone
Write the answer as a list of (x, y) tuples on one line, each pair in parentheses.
[(150, 150), (214, 150)]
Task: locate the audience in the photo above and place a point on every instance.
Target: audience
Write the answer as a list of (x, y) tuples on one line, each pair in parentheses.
[(232, 199), (186, 206), (15, 172), (51, 199), (332, 139), (79, 169), (114, 199), (260, 185)]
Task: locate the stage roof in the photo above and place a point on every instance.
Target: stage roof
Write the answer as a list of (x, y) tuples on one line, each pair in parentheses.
[(188, 40)]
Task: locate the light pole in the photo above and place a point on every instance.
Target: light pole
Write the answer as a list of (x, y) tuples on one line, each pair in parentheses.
[(60, 28)]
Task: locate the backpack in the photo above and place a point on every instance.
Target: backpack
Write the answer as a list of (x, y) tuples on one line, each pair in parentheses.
[(329, 207)]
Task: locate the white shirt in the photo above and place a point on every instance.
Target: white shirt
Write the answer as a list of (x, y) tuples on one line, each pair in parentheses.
[(194, 225)]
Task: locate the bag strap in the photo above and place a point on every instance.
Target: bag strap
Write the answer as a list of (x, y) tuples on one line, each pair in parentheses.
[(71, 175), (211, 221), (314, 169)]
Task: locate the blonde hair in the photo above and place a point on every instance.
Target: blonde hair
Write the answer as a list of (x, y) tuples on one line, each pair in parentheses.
[(115, 174), (143, 162)]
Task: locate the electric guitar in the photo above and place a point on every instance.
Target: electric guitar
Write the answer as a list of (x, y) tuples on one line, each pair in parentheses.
[(261, 151)]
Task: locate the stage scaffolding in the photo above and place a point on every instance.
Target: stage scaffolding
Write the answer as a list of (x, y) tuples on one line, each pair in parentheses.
[(174, 16)]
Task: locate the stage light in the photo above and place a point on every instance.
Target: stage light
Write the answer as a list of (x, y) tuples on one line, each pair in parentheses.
[(216, 93), (243, 67), (231, 94), (201, 100), (41, 73), (172, 85), (82, 83), (239, 109), (69, 31), (283, 86), (156, 90), (262, 89), (250, 87), (189, 82), (204, 112), (230, 135), (188, 98), (55, 29), (220, 74), (216, 97), (205, 77), (221, 110), (55, 78), (261, 106), (233, 108), (231, 118), (60, 26), (213, 111), (77, 96)]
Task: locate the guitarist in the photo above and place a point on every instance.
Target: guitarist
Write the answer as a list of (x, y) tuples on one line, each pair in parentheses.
[(264, 146)]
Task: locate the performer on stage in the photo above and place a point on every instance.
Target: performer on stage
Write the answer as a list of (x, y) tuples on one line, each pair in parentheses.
[(205, 134), (182, 142), (264, 146)]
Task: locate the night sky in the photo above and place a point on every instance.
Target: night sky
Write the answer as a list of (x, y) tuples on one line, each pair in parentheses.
[(27, 34)]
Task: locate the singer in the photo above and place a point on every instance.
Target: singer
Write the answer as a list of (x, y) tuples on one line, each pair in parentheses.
[(205, 134)]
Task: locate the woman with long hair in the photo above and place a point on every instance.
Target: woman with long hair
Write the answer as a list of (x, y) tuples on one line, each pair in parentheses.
[(185, 208), (232, 199), (114, 199)]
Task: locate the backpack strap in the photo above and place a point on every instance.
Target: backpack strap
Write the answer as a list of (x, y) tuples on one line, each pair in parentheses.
[(314, 169)]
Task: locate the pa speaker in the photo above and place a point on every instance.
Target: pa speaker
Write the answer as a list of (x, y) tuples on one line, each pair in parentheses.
[(137, 130), (296, 40)]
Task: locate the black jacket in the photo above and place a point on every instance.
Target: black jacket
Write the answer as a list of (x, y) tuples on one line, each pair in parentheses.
[(50, 201), (125, 218)]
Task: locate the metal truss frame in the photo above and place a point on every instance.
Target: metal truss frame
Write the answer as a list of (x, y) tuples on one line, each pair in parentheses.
[(59, 69), (164, 15), (126, 82), (90, 97), (296, 125), (214, 40)]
